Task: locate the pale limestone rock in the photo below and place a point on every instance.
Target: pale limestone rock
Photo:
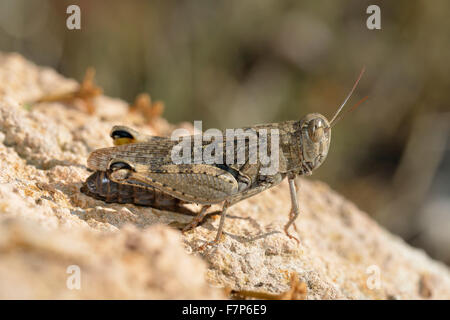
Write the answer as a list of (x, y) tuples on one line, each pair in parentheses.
[(130, 264), (123, 251)]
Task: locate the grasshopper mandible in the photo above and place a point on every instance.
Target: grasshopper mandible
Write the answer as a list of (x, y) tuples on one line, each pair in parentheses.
[(145, 162)]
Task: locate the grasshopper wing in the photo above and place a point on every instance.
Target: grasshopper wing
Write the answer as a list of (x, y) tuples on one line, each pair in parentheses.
[(151, 153)]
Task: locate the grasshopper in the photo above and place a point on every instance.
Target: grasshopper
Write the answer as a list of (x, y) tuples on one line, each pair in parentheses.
[(145, 162)]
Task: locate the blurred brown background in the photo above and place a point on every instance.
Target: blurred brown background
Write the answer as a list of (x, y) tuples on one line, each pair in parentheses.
[(236, 63)]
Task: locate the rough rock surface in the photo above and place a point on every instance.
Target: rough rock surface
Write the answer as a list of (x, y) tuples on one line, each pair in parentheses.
[(125, 251)]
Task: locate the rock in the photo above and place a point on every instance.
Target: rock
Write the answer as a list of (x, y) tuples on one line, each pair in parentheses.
[(131, 264), (126, 251)]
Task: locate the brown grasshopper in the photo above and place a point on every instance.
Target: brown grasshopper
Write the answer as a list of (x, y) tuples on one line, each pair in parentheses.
[(146, 162)]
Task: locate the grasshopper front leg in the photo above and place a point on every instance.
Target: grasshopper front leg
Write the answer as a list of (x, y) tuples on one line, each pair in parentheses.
[(223, 215), (293, 214), (276, 179)]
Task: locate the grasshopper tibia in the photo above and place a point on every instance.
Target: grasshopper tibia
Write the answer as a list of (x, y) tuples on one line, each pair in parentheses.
[(223, 215), (293, 214), (198, 218)]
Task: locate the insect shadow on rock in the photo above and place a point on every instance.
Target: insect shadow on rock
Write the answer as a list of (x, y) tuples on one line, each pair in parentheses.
[(146, 162)]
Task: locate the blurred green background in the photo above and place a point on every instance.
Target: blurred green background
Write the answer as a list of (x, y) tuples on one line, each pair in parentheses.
[(241, 62)]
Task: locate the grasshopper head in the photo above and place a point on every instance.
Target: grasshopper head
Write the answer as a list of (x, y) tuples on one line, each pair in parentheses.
[(315, 140), (315, 134)]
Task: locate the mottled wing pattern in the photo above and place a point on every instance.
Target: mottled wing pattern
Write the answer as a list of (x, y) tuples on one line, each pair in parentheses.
[(200, 182)]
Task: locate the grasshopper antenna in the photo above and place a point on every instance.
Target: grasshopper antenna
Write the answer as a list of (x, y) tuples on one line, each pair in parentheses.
[(335, 117), (350, 110)]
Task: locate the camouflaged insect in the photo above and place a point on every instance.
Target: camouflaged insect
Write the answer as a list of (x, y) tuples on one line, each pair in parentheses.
[(140, 170)]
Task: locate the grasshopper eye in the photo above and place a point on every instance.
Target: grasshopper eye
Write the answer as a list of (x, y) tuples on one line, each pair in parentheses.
[(316, 128)]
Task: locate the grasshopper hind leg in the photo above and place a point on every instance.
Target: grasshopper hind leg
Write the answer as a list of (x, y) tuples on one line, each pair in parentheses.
[(197, 219)]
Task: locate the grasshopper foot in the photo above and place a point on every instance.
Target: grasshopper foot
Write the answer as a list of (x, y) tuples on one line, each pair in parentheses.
[(290, 235), (208, 243), (292, 217), (213, 243)]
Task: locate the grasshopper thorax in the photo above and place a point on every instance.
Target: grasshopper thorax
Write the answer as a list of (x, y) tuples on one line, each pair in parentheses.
[(315, 137)]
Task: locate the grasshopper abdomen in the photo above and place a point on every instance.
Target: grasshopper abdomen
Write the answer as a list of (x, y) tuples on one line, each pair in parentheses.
[(99, 186)]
